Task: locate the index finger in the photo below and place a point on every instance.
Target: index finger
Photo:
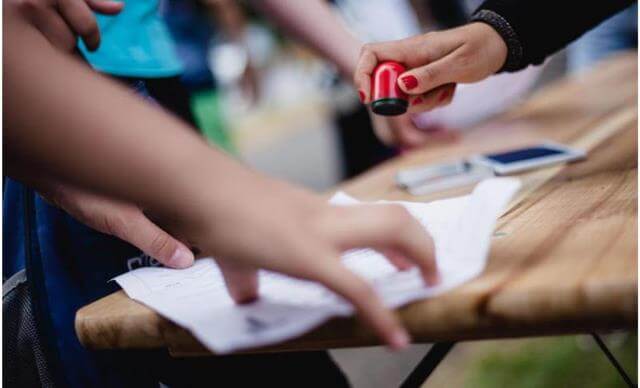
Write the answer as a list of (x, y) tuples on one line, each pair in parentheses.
[(367, 303)]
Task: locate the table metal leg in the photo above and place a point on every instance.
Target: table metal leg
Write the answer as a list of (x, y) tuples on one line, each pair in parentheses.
[(427, 365), (613, 360)]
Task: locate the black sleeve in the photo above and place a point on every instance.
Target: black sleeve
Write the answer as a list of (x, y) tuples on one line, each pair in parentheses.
[(535, 29)]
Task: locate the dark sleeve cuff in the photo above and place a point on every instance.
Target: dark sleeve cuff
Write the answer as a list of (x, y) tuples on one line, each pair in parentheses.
[(508, 34)]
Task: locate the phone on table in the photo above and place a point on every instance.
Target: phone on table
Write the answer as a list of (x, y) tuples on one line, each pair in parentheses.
[(528, 158)]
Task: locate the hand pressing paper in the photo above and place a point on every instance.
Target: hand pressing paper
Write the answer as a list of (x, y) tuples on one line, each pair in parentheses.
[(196, 298)]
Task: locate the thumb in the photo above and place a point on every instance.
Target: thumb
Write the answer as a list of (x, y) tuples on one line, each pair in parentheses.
[(139, 231), (242, 282)]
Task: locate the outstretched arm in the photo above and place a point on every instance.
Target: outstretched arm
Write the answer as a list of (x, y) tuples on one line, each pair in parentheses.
[(64, 121)]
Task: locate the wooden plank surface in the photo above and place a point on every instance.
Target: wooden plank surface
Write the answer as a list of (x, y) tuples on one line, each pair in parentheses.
[(563, 258)]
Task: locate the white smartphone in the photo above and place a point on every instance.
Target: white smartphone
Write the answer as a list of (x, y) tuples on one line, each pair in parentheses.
[(528, 158)]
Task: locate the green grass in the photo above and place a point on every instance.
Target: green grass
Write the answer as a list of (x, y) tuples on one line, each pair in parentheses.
[(553, 363)]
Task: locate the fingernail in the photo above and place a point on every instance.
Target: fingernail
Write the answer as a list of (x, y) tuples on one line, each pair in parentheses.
[(409, 81), (362, 96), (417, 101), (443, 96), (182, 258), (400, 340)]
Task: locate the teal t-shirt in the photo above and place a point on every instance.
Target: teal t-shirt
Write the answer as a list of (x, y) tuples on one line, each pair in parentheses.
[(135, 43)]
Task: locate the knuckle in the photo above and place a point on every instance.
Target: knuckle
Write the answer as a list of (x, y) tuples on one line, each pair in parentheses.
[(68, 43), (429, 74), (116, 224), (161, 245), (86, 27), (426, 50), (398, 214), (361, 291), (367, 48), (428, 36), (28, 6), (465, 58)]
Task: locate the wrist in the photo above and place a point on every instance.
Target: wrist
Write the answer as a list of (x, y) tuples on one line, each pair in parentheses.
[(493, 46), (513, 51)]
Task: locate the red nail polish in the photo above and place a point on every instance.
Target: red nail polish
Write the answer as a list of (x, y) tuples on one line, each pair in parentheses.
[(443, 96), (417, 101), (409, 82), (362, 96)]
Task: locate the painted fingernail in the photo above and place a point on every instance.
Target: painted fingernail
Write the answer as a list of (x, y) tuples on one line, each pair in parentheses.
[(444, 95), (400, 340), (417, 101), (182, 258), (409, 81), (362, 96)]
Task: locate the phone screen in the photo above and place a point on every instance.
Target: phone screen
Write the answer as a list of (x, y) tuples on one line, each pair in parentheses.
[(523, 154)]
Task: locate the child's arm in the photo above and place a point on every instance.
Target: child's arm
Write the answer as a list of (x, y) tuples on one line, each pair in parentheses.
[(64, 121)]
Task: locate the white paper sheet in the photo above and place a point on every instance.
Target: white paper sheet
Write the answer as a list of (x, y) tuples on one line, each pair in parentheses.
[(196, 298)]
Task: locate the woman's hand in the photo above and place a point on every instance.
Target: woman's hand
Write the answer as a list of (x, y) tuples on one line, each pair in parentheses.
[(436, 62), (272, 225)]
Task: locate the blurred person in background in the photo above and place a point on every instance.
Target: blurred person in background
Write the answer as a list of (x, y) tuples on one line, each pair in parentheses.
[(196, 26), (136, 48)]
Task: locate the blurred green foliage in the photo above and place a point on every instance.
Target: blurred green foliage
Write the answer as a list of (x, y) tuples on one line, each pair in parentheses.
[(557, 362), (205, 106)]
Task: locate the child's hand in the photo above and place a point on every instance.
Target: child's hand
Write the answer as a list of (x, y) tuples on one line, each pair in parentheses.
[(437, 61), (278, 227), (62, 21), (121, 220)]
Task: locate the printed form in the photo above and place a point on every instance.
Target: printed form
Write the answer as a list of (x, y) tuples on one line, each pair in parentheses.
[(196, 298)]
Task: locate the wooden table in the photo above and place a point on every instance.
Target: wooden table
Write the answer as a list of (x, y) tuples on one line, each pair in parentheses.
[(563, 259)]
